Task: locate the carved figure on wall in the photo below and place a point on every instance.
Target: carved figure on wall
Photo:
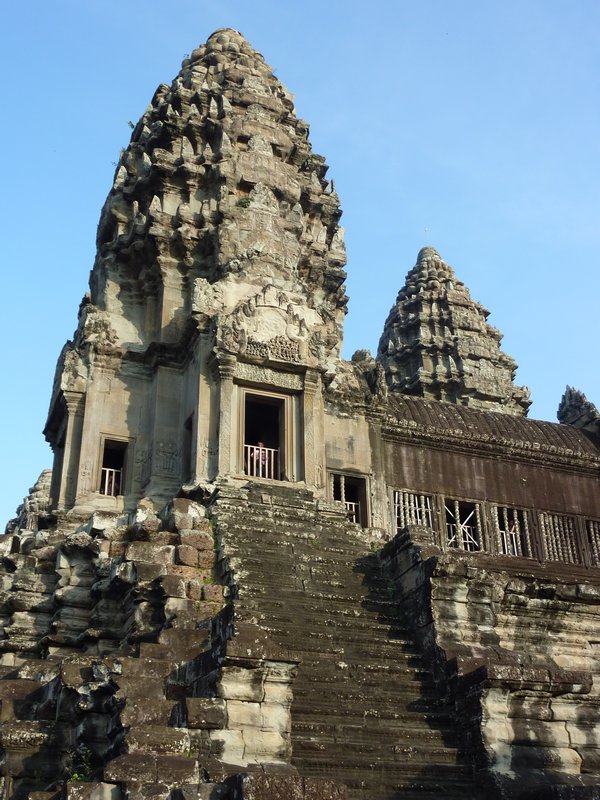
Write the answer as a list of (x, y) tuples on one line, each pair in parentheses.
[(168, 456), (143, 465), (85, 475)]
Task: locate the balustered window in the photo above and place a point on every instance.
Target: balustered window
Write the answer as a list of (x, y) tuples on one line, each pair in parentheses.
[(559, 537), (593, 534), (352, 491), (512, 531), (413, 509), (463, 525)]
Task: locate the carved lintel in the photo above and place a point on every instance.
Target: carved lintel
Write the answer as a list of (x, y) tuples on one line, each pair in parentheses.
[(251, 373)]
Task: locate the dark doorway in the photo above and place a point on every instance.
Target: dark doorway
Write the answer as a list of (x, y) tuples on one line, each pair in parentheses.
[(263, 436), (112, 474)]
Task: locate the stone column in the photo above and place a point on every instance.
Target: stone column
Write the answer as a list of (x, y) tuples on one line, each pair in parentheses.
[(313, 458), (379, 507), (75, 403), (228, 435)]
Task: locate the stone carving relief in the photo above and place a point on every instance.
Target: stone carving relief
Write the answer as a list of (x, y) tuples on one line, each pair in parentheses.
[(168, 457), (268, 377), (75, 372), (95, 330), (279, 326), (143, 465), (85, 477)]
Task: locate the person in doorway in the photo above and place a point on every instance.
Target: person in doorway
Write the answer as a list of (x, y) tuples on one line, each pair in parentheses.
[(260, 460)]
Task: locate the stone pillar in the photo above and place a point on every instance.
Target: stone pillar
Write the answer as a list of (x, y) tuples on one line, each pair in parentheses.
[(313, 457), (227, 424), (75, 403), (378, 498), (205, 433)]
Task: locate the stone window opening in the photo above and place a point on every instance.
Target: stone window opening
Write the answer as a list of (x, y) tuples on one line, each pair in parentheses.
[(513, 531), (559, 537), (463, 525), (593, 536), (112, 471), (264, 429), (352, 491), (413, 509)]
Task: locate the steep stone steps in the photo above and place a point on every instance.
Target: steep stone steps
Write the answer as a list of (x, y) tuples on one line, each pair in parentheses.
[(365, 709)]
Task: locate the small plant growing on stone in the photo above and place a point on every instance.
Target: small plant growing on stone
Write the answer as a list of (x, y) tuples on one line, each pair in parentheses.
[(243, 202), (81, 765)]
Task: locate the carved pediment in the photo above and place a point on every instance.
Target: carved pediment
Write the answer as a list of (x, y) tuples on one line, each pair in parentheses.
[(277, 325)]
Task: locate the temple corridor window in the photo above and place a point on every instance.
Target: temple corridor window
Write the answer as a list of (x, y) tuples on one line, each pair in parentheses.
[(512, 531), (559, 537), (592, 527), (412, 509), (352, 492), (463, 525), (112, 471)]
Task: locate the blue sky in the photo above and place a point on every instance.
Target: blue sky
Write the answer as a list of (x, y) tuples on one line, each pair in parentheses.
[(468, 125)]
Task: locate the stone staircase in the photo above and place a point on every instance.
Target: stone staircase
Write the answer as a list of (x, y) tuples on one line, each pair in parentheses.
[(365, 711)]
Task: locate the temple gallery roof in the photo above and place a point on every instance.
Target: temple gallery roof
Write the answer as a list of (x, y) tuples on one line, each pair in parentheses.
[(448, 419)]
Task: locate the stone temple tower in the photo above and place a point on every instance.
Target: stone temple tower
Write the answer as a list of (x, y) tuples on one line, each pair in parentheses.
[(437, 344), (217, 297), (259, 571)]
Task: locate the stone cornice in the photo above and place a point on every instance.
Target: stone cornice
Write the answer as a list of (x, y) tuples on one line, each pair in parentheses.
[(482, 444)]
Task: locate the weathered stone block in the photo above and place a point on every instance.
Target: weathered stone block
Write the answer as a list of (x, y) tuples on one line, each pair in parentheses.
[(93, 791), (212, 592), (265, 745), (231, 744), (147, 571), (176, 770), (206, 559), (146, 551), (563, 759), (193, 589), (206, 712), (242, 714), (275, 717), (187, 555), (132, 768), (201, 540), (158, 740), (174, 586), (237, 683)]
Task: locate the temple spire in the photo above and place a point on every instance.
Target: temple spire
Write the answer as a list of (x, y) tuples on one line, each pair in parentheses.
[(437, 344)]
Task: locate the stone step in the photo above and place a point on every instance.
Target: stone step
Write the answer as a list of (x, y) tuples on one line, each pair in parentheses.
[(413, 698), (373, 718), (419, 768), (344, 731), (365, 708)]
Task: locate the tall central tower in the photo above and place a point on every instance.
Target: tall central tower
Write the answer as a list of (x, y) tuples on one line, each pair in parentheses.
[(217, 296)]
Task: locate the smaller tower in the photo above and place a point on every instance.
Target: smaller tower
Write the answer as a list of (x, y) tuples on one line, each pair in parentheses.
[(437, 344)]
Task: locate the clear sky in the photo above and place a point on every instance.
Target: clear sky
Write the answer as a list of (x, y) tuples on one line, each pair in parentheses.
[(468, 125)]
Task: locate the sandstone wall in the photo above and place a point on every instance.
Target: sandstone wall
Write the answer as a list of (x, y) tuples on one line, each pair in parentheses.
[(516, 647)]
